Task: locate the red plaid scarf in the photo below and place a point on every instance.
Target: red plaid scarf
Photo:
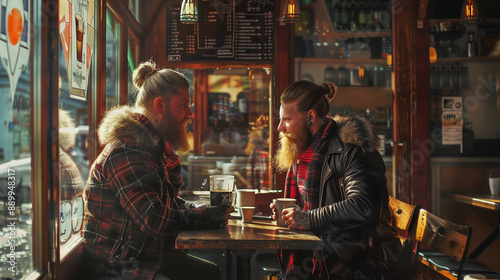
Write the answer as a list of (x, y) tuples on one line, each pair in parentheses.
[(303, 183)]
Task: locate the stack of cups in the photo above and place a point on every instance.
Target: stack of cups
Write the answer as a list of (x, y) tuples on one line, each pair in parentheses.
[(245, 201)]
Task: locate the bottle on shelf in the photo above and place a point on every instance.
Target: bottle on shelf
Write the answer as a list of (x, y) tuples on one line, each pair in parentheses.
[(370, 24), (354, 16), (362, 16), (345, 16), (471, 45), (335, 15)]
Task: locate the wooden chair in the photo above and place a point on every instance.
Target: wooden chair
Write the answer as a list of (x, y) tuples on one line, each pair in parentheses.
[(450, 239), (403, 219)]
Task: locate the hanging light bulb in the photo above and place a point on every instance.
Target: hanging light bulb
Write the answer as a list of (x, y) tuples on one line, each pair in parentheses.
[(291, 12), (470, 11), (189, 11)]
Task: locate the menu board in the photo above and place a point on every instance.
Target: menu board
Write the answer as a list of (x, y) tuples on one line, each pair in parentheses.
[(231, 29)]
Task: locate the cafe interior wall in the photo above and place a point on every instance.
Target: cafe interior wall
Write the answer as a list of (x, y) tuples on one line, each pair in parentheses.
[(480, 100), (470, 177)]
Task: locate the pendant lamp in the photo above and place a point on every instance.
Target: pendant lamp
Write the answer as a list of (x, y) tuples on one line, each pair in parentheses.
[(189, 11), (470, 11), (291, 12)]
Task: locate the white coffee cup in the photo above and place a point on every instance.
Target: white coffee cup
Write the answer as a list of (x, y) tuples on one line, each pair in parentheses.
[(279, 205), (474, 277), (247, 213), (245, 197), (494, 185)]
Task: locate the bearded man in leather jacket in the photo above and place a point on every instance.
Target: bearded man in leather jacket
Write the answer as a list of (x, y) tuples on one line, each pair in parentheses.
[(338, 178), (133, 206)]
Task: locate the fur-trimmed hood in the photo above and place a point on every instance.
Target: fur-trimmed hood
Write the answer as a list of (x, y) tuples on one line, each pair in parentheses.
[(122, 122), (357, 130)]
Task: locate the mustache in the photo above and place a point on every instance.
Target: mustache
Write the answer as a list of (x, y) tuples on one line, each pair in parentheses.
[(287, 135)]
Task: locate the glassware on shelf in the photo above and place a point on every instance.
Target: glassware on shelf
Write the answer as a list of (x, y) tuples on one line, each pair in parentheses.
[(331, 75), (454, 75), (342, 77)]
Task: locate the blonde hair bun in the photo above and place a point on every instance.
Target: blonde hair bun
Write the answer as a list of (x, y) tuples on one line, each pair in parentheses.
[(142, 72)]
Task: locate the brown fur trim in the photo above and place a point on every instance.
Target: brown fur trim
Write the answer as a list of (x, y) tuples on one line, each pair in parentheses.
[(357, 130), (121, 122)]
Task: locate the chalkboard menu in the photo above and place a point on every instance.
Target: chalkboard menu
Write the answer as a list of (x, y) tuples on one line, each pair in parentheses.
[(237, 29)]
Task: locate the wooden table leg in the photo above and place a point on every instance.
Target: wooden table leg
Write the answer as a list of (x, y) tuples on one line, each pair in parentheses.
[(228, 265), (243, 263)]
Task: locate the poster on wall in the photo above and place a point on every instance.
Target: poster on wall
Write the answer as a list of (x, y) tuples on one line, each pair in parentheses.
[(452, 121), (76, 28), (14, 39)]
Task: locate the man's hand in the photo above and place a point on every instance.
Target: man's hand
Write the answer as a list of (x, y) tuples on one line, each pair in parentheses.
[(274, 211), (295, 218), (219, 215)]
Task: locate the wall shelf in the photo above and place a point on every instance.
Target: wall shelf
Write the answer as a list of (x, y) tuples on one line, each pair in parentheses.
[(339, 60), (468, 59)]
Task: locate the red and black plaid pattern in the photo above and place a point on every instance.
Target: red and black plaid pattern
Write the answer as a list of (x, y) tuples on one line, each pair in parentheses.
[(302, 183), (133, 207), (258, 173)]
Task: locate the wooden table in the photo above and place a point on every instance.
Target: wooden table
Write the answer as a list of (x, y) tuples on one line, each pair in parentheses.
[(482, 200), (244, 238)]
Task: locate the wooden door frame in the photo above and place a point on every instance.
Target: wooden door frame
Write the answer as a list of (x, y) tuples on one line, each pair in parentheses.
[(411, 152)]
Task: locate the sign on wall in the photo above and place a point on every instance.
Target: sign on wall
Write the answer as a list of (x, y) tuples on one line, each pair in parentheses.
[(452, 121), (76, 28), (14, 39)]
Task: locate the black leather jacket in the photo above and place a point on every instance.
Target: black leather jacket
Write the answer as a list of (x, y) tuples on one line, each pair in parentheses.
[(353, 216)]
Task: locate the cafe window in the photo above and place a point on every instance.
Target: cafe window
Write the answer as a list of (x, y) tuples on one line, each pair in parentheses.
[(73, 159), (231, 128), (132, 61), (16, 219), (134, 7), (15, 176), (113, 41)]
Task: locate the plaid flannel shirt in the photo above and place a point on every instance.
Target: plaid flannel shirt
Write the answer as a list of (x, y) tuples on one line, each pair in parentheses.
[(133, 208)]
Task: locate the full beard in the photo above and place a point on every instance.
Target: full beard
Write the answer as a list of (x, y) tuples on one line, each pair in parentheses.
[(290, 147), (175, 133)]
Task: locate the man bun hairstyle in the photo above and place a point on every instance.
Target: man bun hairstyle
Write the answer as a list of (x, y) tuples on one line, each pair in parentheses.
[(152, 83), (310, 96)]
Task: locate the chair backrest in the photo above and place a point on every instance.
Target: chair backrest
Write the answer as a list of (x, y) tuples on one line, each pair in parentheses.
[(447, 237), (402, 216)]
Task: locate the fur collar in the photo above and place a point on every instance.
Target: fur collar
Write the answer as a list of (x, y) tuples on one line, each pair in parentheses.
[(357, 130), (121, 122)]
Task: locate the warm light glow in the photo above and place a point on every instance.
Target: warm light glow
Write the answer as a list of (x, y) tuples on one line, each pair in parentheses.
[(470, 11), (432, 55), (189, 11), (389, 59), (291, 12), (361, 73)]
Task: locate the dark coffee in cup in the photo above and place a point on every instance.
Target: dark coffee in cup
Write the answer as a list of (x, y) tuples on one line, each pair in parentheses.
[(219, 197)]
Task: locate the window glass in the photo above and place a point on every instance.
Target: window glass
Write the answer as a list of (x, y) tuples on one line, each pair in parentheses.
[(132, 61), (235, 131), (112, 60), (133, 6), (15, 171), (73, 159)]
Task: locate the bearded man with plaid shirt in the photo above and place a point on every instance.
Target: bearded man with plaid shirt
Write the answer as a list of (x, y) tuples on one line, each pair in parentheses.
[(133, 208), (338, 178)]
